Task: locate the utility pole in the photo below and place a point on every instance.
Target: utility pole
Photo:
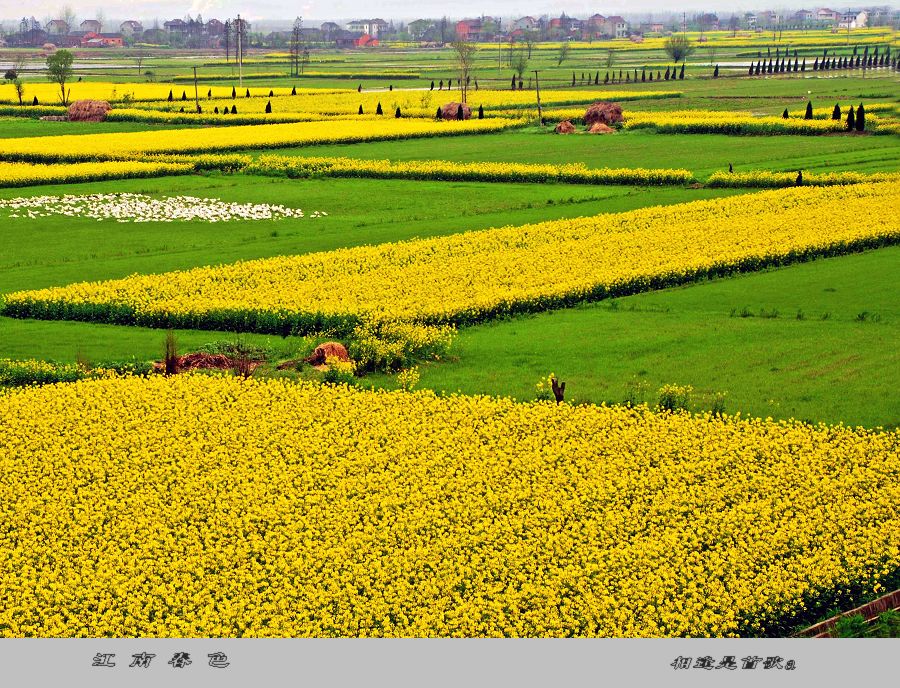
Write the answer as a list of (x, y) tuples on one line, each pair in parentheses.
[(196, 94), (499, 55), (537, 85)]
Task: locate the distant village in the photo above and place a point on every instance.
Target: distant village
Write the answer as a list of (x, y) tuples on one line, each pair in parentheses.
[(195, 33)]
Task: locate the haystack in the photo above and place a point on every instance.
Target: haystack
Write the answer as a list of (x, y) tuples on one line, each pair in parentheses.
[(204, 361), (450, 110), (565, 127), (600, 128), (325, 350), (88, 111), (604, 112)]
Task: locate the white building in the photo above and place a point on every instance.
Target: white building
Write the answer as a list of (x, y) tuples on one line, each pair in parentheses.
[(853, 20), (370, 26)]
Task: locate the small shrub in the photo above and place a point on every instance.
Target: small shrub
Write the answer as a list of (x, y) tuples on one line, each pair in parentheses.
[(339, 372), (543, 390), (636, 391), (887, 625), (853, 626), (674, 397), (408, 378), (392, 345), (718, 406)]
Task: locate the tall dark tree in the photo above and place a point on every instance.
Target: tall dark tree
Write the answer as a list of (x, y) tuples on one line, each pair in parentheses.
[(836, 113), (851, 119), (378, 110), (716, 72), (860, 118), (785, 113), (809, 110)]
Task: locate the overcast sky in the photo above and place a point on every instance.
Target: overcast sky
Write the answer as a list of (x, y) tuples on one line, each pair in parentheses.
[(316, 11)]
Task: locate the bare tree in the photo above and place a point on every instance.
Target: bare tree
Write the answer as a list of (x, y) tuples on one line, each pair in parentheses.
[(296, 37), (520, 62), (227, 37), (464, 54), (67, 14), (139, 57), (563, 53), (14, 76), (530, 40)]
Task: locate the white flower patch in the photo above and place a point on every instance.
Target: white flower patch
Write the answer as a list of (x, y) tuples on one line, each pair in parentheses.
[(128, 207)]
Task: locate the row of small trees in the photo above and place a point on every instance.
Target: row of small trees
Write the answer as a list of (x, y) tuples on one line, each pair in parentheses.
[(856, 120), (783, 65)]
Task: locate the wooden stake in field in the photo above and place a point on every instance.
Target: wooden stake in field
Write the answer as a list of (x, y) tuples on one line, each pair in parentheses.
[(537, 85)]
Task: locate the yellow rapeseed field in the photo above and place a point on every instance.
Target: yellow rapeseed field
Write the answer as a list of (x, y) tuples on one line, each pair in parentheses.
[(573, 173), (216, 506), (722, 122), (25, 174), (49, 94), (469, 277), (410, 102), (111, 145)]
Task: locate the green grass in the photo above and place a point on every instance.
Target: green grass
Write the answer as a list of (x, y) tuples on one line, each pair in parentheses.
[(59, 250), (55, 251), (839, 369), (71, 341), (699, 153), (14, 127)]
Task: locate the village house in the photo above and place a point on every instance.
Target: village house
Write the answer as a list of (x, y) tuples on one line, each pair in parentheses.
[(131, 28), (57, 27), (372, 27), (823, 14), (853, 20), (91, 26)]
